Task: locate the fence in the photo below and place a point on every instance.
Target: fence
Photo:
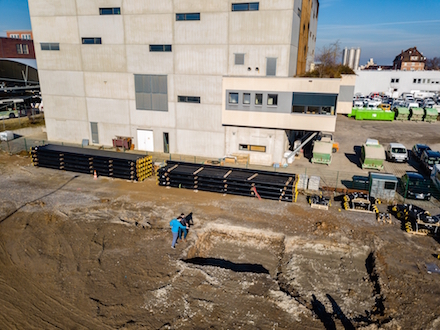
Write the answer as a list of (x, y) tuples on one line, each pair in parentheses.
[(330, 181)]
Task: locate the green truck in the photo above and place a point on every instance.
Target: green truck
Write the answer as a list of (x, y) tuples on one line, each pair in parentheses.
[(322, 152), (372, 155)]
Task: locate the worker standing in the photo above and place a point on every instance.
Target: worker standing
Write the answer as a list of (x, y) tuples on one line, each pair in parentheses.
[(175, 225)]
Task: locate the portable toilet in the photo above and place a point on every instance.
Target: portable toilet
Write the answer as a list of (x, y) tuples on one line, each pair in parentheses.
[(416, 114), (383, 186), (430, 115), (401, 113), (372, 155)]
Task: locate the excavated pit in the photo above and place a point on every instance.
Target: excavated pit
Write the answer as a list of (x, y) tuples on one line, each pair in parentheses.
[(336, 282)]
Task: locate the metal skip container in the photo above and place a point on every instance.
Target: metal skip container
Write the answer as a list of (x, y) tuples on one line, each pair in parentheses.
[(382, 185)]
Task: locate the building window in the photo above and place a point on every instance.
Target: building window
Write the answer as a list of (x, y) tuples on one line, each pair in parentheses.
[(188, 99), (423, 81), (271, 66), (419, 81), (110, 11), (414, 81), (239, 59), (249, 6), (151, 92), (392, 80), (246, 98), (272, 99), (188, 17), (91, 41), (50, 46), (14, 36), (233, 98), (250, 147), (160, 48), (258, 99), (94, 129), (22, 49), (414, 58), (26, 36), (314, 103), (397, 81)]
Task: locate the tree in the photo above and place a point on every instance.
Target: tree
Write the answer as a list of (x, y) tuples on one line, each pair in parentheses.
[(432, 63), (329, 65)]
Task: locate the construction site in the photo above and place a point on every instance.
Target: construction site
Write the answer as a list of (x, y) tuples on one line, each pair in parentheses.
[(87, 251)]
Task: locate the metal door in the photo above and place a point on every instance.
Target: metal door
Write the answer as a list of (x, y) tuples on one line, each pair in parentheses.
[(145, 140)]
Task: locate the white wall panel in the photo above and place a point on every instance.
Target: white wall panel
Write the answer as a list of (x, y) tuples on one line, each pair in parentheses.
[(109, 111), (65, 83), (51, 8), (91, 7), (200, 117), (107, 85), (65, 107), (107, 27), (110, 58), (68, 58), (149, 29), (211, 29), (141, 60), (62, 29), (147, 6), (211, 60), (209, 88)]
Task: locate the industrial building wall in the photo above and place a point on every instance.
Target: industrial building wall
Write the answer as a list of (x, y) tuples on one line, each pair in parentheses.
[(95, 83), (396, 82)]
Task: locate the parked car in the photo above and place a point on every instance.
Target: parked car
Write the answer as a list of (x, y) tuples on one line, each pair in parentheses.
[(417, 151), (385, 107), (435, 176), (396, 152), (428, 160), (414, 185), (358, 104)]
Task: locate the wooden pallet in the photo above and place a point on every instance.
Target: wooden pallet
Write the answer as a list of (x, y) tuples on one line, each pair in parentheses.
[(319, 206)]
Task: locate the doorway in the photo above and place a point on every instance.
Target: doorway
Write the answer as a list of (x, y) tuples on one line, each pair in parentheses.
[(166, 143), (145, 140)]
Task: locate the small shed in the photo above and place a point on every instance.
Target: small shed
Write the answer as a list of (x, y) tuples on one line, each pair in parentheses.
[(372, 155), (430, 115), (322, 152), (416, 114), (383, 185), (401, 113)]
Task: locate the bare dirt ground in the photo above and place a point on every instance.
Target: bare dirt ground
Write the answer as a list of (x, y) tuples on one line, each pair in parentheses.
[(79, 253)]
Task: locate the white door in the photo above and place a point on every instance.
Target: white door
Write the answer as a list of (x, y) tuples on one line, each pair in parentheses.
[(145, 140)]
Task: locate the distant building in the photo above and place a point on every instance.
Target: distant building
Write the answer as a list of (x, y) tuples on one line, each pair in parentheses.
[(409, 60), (25, 35), (16, 48), (351, 57)]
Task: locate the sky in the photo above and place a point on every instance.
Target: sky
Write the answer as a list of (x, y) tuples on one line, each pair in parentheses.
[(381, 28)]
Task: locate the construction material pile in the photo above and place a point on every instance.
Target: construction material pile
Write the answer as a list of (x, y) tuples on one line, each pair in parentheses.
[(358, 201), (319, 202), (229, 180), (84, 160), (417, 220)]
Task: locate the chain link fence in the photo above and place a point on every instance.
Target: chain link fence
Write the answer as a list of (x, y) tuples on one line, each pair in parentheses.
[(330, 182)]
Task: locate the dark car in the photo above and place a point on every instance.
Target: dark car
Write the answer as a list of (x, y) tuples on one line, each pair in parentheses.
[(417, 151), (414, 185), (428, 160)]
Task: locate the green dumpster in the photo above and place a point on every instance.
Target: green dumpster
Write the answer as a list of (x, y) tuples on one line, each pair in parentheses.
[(372, 155), (322, 152), (401, 113), (416, 114), (430, 115), (374, 114), (353, 112)]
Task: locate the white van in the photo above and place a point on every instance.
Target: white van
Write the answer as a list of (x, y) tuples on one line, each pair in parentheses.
[(396, 152)]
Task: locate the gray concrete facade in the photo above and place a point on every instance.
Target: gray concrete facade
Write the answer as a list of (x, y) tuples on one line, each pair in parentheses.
[(84, 83)]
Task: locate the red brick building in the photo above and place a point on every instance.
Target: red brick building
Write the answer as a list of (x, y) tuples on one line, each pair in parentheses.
[(16, 48), (25, 35), (409, 60)]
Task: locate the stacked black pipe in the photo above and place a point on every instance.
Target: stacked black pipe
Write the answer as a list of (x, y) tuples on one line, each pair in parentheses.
[(85, 160), (228, 180)]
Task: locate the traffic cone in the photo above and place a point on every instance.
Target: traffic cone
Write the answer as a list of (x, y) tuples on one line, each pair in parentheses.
[(95, 176)]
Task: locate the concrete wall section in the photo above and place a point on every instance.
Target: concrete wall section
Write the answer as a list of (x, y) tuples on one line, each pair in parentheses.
[(62, 29), (52, 8), (108, 131), (149, 29), (141, 61), (108, 111), (68, 58), (212, 29), (147, 6), (199, 117), (195, 6), (208, 88), (153, 119), (209, 60), (63, 83), (65, 107), (107, 27), (73, 131), (104, 58), (108, 85), (213, 146), (88, 7), (245, 27)]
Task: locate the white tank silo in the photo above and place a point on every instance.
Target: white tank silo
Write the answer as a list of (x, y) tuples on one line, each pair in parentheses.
[(345, 56), (351, 55), (357, 58)]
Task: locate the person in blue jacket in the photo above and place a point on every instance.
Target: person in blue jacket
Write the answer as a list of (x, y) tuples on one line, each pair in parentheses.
[(175, 225)]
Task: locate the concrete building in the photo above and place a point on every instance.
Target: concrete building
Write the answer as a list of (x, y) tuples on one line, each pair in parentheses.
[(394, 83), (204, 78)]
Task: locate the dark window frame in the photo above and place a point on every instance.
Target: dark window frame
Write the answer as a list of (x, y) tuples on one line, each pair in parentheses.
[(274, 97), (258, 98), (91, 41), (188, 99), (237, 95), (251, 147), (188, 17), (110, 11), (250, 96), (246, 6), (50, 46), (160, 48)]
